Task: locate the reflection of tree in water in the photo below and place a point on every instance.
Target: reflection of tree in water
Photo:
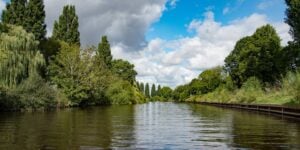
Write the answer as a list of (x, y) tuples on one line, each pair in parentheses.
[(99, 127), (264, 132), (247, 129)]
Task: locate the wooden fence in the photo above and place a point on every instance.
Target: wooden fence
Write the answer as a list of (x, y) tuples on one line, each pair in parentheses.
[(288, 111)]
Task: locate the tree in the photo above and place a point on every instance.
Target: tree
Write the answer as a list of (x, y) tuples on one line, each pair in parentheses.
[(153, 90), (104, 51), (14, 13), (124, 70), (66, 28), (158, 89), (147, 90), (35, 19), (166, 93), (256, 56), (293, 15), (65, 72), (142, 87), (19, 56)]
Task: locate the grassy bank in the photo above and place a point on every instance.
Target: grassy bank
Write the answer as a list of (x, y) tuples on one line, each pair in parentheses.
[(286, 92)]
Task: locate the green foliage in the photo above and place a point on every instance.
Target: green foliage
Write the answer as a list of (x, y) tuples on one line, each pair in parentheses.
[(124, 70), (35, 19), (19, 55), (142, 87), (30, 15), (14, 13), (293, 15), (147, 90), (122, 92), (181, 93), (291, 86), (165, 93), (153, 90), (71, 74), (255, 56), (104, 53), (66, 28)]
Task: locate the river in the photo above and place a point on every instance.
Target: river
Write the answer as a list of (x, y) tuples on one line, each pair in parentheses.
[(148, 126)]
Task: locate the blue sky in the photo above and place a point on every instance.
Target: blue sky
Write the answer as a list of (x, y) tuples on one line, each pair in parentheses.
[(170, 41), (174, 21)]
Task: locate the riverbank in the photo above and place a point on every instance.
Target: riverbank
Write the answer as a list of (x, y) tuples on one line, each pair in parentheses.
[(275, 109)]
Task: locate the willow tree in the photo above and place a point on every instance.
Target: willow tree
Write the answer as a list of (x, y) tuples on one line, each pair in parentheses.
[(19, 56)]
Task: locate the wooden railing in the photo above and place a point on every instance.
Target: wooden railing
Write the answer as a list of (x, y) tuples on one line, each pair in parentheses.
[(289, 111)]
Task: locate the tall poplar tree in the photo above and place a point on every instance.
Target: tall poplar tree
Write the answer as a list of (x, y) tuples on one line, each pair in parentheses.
[(66, 28), (14, 13), (147, 90), (104, 51), (153, 92), (142, 87), (35, 19)]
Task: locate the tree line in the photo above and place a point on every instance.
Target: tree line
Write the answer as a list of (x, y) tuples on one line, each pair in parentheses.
[(39, 72), (258, 70), (156, 93)]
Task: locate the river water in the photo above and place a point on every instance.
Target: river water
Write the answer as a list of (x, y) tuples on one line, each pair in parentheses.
[(148, 126)]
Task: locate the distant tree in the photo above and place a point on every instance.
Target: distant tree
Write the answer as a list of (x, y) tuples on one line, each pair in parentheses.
[(15, 13), (124, 70), (147, 90), (166, 93), (293, 15), (256, 56), (142, 87), (153, 90), (158, 89), (66, 28), (104, 51), (35, 19)]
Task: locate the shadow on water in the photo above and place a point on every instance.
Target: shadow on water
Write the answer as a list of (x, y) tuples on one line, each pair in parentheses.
[(147, 126)]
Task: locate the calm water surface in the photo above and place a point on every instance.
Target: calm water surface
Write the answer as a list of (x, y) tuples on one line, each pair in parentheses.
[(148, 126)]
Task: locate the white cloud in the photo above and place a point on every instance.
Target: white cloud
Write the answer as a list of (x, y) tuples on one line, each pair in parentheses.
[(122, 21), (189, 55)]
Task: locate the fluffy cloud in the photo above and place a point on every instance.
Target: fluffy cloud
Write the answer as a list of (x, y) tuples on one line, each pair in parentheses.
[(123, 22), (187, 57)]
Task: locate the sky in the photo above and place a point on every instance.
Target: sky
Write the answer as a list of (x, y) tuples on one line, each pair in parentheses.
[(170, 42)]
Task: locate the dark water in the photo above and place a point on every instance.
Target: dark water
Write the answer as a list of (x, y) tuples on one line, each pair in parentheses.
[(147, 126)]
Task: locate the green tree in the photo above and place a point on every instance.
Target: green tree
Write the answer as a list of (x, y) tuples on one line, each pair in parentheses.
[(147, 90), (104, 51), (66, 28), (293, 15), (158, 89), (124, 70), (65, 70), (166, 93), (14, 13), (19, 56), (209, 80), (142, 87), (35, 19), (256, 56), (153, 90)]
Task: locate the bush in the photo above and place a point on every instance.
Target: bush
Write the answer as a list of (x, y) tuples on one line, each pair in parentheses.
[(122, 92), (250, 90)]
